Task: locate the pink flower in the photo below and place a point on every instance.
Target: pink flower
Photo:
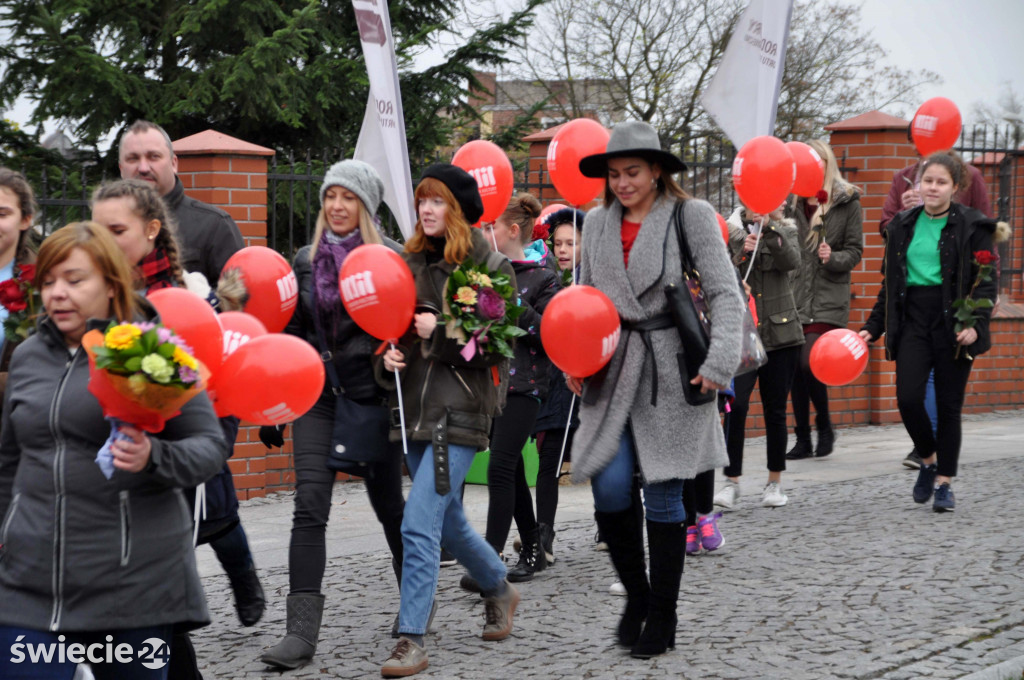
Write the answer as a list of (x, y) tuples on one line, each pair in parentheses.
[(490, 304)]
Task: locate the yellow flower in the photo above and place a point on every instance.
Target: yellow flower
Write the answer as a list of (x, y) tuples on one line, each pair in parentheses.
[(480, 278), (465, 296), (183, 358), (122, 336)]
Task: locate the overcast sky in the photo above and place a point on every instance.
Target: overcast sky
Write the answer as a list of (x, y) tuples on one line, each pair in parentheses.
[(975, 45)]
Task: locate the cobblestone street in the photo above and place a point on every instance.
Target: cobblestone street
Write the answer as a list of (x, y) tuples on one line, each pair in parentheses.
[(850, 580)]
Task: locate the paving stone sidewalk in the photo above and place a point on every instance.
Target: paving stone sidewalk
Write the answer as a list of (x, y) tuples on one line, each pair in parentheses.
[(850, 580)]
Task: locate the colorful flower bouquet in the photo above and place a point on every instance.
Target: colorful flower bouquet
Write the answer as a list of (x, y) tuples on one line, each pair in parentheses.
[(966, 313), (142, 374), (21, 300), (481, 308)]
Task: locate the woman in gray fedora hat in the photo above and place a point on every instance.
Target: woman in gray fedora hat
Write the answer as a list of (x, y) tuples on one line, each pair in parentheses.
[(636, 417)]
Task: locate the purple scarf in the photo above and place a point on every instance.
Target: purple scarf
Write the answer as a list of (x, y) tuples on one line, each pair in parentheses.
[(330, 253)]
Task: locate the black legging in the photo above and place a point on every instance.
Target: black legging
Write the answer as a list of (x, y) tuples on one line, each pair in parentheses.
[(549, 448), (699, 496), (314, 482), (507, 489), (807, 388), (774, 380), (925, 345)]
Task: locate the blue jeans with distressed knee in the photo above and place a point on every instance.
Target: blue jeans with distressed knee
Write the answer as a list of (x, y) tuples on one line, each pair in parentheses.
[(432, 520), (663, 501)]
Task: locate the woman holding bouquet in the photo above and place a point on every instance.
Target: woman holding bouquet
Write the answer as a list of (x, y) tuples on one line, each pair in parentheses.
[(934, 307), (350, 195), (88, 559), (634, 413), (452, 391), (17, 207)]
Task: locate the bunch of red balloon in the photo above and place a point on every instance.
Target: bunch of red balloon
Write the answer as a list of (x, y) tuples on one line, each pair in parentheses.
[(248, 377)]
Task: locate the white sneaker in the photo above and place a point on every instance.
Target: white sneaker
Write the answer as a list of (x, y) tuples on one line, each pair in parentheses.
[(728, 496), (773, 496), (617, 589)]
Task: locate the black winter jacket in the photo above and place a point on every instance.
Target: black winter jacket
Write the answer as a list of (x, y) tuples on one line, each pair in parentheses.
[(81, 552), (437, 382), (967, 231), (207, 235), (536, 284)]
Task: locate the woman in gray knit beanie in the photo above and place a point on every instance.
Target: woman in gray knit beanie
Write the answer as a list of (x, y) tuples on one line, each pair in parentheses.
[(350, 195), (637, 417)]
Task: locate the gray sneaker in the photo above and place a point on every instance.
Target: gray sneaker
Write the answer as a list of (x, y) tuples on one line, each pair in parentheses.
[(913, 460), (407, 658), (498, 613)]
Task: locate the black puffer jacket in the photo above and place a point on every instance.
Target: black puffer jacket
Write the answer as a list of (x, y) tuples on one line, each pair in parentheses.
[(81, 552), (967, 231), (536, 284), (352, 349), (437, 382)]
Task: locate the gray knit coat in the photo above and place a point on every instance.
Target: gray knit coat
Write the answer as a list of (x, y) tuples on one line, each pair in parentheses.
[(673, 439)]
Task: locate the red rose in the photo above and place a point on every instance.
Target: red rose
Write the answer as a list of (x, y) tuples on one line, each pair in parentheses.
[(984, 257), (822, 196), (11, 295), (27, 273)]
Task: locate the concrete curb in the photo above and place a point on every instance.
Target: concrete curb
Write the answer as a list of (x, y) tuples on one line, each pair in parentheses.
[(1007, 670)]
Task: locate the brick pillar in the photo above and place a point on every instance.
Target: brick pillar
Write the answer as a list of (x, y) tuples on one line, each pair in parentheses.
[(232, 175)]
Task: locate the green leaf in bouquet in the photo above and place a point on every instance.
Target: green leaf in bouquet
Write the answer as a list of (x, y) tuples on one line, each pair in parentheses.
[(501, 347), (133, 365), (459, 278), (514, 332), (983, 303), (166, 350)]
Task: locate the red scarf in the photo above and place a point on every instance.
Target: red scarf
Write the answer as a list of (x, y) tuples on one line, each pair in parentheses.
[(155, 271)]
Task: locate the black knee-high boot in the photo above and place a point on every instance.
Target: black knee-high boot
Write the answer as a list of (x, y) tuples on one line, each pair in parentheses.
[(625, 539), (668, 544)]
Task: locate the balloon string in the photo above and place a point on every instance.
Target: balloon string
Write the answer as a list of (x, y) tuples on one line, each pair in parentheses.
[(757, 242), (574, 276), (565, 437), (401, 408)]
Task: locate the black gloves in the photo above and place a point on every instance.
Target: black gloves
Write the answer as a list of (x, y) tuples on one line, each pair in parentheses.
[(272, 436)]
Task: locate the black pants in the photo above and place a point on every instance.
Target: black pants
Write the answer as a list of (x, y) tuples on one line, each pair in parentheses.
[(774, 380), (549, 449), (314, 482), (807, 389), (508, 492), (698, 496), (925, 344)]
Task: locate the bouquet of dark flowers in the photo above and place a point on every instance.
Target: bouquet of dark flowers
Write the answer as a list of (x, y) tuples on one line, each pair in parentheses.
[(481, 308), (966, 313), (21, 300), (142, 374)]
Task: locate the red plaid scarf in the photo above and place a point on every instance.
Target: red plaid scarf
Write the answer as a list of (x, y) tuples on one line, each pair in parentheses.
[(155, 271)]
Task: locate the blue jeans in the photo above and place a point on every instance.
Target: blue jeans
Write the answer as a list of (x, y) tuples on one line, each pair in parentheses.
[(663, 501), (930, 405), (25, 653), (432, 520)]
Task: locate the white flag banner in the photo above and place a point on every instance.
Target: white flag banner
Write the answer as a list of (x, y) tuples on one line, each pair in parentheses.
[(744, 94), (382, 141)]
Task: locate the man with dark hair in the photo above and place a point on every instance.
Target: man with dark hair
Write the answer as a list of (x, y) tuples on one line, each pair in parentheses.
[(207, 235)]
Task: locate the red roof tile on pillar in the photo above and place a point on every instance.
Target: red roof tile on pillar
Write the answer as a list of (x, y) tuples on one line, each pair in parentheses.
[(211, 141), (872, 120)]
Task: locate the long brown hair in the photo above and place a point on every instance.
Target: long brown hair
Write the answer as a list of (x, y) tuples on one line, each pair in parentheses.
[(667, 186), (98, 243), (457, 232), (952, 162), (16, 183), (148, 205)]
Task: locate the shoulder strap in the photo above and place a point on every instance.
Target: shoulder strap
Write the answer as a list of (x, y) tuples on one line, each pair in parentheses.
[(684, 247)]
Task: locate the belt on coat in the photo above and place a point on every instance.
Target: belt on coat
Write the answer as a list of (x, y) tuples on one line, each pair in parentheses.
[(644, 328)]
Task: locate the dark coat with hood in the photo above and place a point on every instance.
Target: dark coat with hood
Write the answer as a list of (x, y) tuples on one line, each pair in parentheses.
[(207, 235), (81, 552), (822, 290), (437, 382), (967, 231), (537, 284)]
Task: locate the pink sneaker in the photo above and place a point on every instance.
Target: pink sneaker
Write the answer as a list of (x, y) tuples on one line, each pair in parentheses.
[(710, 537), (692, 541)]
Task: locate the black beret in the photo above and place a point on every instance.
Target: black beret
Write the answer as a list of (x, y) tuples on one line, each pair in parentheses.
[(463, 187)]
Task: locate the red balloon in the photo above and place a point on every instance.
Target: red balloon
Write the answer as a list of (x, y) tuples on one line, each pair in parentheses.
[(810, 169), (936, 126), (378, 291), (580, 330), (577, 139), (193, 319), (724, 226), (239, 328), (270, 282), (266, 390), (839, 357), (492, 170), (763, 172)]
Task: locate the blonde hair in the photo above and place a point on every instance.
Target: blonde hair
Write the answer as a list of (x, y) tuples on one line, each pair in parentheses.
[(367, 228), (667, 186), (148, 205), (523, 209), (98, 243), (457, 232), (832, 184)]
